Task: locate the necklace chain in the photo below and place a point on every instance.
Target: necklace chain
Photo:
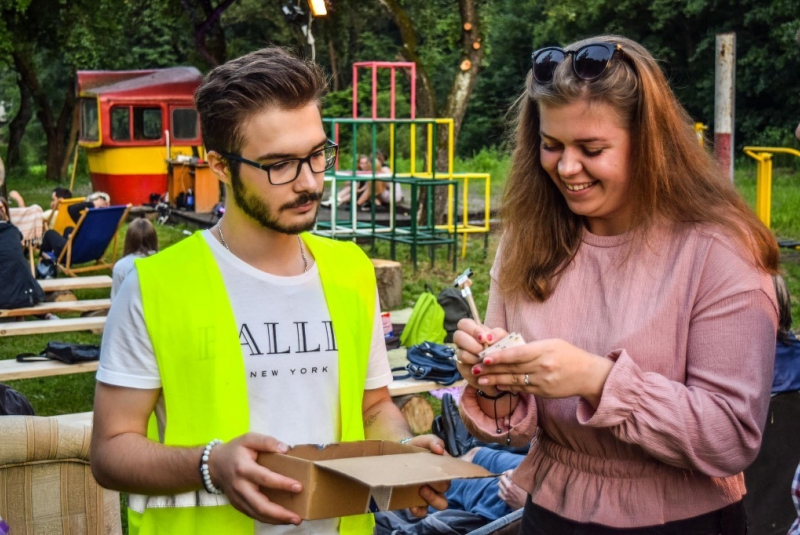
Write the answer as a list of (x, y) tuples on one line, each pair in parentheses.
[(299, 240)]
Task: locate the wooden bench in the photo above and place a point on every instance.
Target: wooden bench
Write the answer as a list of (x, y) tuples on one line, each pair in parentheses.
[(58, 307), (11, 369), (75, 283), (52, 326)]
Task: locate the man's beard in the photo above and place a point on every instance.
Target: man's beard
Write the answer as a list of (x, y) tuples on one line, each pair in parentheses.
[(257, 210)]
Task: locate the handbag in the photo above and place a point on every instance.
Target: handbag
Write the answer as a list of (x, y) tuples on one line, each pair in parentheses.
[(13, 403), (64, 352), (430, 362)]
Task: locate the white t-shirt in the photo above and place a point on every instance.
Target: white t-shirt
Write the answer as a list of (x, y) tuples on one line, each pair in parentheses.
[(289, 351), (122, 268)]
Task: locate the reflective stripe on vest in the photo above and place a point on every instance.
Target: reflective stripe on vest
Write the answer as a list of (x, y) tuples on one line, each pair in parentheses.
[(194, 336)]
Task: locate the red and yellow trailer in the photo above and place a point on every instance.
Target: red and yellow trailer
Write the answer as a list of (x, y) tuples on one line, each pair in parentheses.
[(132, 123)]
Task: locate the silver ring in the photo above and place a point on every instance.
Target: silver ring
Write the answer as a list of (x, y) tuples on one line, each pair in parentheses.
[(527, 380)]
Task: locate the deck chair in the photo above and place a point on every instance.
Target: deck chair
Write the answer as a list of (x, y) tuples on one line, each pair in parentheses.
[(62, 218), (46, 484), (29, 222), (93, 233)]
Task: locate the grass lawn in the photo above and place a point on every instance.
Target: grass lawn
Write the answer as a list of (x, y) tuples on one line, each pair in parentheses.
[(73, 393)]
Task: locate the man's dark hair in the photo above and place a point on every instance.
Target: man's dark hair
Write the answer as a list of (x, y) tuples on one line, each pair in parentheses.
[(62, 193), (234, 91)]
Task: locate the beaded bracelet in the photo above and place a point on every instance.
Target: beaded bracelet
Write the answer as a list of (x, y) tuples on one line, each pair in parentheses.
[(207, 484)]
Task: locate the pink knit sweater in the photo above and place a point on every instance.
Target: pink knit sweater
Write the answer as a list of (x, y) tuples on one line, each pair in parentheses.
[(690, 325)]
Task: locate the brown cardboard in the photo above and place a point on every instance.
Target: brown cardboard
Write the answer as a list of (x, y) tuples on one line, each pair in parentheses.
[(352, 478)]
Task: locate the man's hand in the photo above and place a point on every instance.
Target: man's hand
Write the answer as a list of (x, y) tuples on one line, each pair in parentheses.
[(433, 493), (233, 468)]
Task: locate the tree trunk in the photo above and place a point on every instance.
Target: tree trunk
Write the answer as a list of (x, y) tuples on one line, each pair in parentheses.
[(389, 276), (209, 37), (460, 90), (417, 411), (334, 60), (17, 126), (55, 131)]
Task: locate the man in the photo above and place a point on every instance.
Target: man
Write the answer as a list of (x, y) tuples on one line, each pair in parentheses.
[(53, 242), (253, 332)]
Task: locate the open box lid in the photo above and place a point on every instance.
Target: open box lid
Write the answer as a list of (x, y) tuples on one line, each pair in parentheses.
[(403, 469)]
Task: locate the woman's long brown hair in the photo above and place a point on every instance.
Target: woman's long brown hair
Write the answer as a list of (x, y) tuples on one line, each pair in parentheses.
[(672, 176)]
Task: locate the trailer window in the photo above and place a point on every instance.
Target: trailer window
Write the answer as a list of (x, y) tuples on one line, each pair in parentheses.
[(184, 123), (146, 123), (90, 130), (121, 123)]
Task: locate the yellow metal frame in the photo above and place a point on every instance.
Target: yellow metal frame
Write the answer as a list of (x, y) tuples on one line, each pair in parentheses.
[(465, 228), (763, 155)]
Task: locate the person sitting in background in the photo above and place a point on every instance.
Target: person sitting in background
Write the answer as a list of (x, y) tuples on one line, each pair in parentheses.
[(364, 187), (56, 197), (140, 240), (53, 242), (19, 288), (385, 195)]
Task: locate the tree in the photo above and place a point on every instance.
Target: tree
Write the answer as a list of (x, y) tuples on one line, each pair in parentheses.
[(209, 35), (470, 52)]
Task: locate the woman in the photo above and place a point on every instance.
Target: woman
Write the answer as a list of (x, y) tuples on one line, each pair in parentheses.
[(140, 240), (18, 289), (641, 283)]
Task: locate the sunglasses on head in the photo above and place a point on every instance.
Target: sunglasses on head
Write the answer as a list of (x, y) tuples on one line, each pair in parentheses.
[(588, 62)]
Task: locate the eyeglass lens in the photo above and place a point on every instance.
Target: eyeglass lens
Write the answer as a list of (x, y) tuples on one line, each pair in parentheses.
[(288, 170), (590, 61), (545, 63)]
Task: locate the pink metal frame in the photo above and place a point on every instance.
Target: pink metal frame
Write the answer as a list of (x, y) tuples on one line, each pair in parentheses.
[(393, 65)]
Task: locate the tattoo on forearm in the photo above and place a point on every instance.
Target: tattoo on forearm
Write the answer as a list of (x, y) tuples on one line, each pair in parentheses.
[(371, 419)]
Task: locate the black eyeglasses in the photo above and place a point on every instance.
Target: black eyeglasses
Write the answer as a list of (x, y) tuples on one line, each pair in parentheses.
[(588, 62), (288, 170)]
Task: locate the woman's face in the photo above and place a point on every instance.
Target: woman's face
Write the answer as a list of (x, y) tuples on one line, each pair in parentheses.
[(364, 164), (586, 151)]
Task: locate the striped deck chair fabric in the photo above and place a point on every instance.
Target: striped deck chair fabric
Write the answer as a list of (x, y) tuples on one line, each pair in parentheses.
[(30, 222)]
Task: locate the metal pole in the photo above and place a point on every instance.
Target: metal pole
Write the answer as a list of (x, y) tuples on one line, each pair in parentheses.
[(725, 100)]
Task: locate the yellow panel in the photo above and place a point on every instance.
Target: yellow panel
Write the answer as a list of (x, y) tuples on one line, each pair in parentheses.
[(132, 160)]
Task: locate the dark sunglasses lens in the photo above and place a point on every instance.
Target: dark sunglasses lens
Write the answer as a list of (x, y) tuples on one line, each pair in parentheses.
[(590, 61), (545, 63)]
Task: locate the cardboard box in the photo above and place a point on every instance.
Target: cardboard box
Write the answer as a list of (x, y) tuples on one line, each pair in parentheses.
[(353, 478)]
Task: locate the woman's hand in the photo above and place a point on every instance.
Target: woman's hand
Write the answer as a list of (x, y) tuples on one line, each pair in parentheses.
[(509, 492), (548, 368), (470, 339)]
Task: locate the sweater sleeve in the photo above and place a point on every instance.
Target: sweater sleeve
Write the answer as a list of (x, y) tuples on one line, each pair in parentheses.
[(522, 423), (713, 421)]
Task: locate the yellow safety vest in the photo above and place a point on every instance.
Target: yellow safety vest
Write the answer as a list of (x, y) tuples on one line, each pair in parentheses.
[(194, 336)]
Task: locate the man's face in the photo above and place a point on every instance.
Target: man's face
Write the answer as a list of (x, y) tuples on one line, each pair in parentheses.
[(53, 201), (271, 136)]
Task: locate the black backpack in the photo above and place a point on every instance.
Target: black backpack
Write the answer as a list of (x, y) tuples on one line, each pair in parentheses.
[(455, 308), (19, 289), (13, 403)]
